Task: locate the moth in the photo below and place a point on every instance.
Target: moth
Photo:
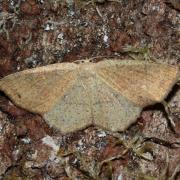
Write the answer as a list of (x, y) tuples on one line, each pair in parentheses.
[(110, 94)]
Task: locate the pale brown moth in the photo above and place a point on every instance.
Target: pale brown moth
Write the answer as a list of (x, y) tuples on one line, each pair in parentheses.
[(110, 94)]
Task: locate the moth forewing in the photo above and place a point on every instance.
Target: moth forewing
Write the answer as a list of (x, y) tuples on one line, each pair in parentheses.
[(144, 83), (36, 90)]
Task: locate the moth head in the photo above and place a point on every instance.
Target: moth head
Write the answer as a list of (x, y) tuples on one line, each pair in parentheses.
[(83, 61)]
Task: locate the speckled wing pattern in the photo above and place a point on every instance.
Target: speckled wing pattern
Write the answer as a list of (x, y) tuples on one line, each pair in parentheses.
[(110, 93)]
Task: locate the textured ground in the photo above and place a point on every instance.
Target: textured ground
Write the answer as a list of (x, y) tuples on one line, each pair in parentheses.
[(36, 33)]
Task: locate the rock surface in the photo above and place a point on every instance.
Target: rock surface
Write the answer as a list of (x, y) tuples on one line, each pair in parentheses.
[(36, 33)]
